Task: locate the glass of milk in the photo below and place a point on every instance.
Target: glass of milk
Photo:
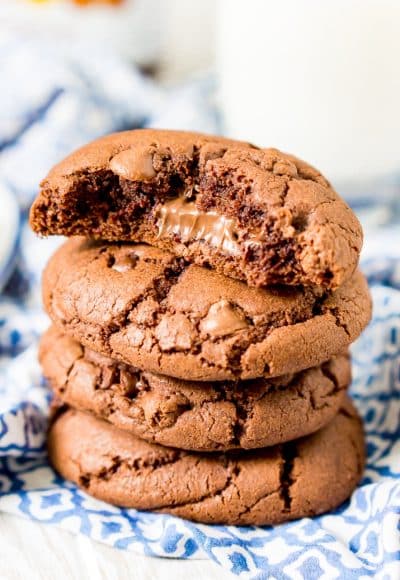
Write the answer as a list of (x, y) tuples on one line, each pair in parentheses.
[(320, 79)]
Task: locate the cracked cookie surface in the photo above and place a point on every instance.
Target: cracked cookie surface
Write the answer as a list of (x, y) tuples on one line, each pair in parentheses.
[(302, 478), (148, 308), (196, 416), (258, 215)]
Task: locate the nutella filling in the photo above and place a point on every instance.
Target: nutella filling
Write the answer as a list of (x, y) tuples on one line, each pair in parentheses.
[(181, 217)]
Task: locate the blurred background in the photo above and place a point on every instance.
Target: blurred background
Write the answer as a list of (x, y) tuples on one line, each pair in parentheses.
[(318, 79)]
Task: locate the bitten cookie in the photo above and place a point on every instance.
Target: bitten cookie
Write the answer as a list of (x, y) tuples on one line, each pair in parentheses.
[(192, 415), (258, 215), (269, 486), (150, 309)]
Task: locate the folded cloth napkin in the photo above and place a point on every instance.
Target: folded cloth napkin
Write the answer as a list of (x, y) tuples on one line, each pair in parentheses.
[(51, 108)]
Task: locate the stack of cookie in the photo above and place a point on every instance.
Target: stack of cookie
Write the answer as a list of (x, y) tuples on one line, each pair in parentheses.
[(202, 313)]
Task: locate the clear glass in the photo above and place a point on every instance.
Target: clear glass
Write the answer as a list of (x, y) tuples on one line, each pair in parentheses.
[(320, 79)]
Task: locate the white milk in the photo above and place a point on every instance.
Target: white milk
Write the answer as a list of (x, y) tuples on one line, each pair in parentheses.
[(319, 78)]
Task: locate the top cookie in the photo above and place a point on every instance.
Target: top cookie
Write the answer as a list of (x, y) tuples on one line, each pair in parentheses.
[(258, 215)]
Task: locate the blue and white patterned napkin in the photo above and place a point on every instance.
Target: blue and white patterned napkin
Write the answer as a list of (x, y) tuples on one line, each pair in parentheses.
[(61, 106)]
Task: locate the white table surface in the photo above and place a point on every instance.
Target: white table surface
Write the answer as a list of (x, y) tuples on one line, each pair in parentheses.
[(33, 551)]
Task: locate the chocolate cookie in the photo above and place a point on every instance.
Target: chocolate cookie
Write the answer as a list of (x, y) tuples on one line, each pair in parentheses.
[(303, 478), (148, 308), (192, 415), (258, 215)]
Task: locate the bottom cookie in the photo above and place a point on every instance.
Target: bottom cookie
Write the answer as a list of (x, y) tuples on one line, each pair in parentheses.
[(306, 477)]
